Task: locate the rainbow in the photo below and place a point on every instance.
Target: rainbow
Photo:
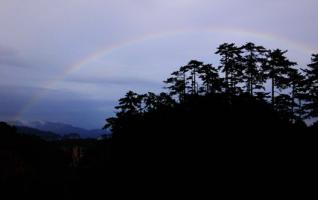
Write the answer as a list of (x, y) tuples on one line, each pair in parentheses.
[(154, 36)]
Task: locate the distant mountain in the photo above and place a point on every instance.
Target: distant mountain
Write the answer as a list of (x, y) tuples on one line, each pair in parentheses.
[(45, 135), (61, 128)]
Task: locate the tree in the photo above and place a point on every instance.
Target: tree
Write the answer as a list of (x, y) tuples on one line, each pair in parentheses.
[(129, 107), (177, 84), (130, 104), (253, 62), (165, 101), (312, 85), (278, 67), (209, 75), (193, 68), (298, 92), (134, 106), (153, 102), (231, 65), (284, 105)]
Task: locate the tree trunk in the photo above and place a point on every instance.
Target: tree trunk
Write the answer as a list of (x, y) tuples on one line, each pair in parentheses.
[(273, 92), (207, 89), (226, 81), (293, 99), (194, 82), (251, 81), (300, 108), (184, 85), (251, 85)]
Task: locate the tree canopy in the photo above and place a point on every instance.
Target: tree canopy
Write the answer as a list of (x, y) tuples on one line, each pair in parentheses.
[(244, 71)]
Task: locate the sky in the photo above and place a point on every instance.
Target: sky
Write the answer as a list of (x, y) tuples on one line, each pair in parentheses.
[(70, 60)]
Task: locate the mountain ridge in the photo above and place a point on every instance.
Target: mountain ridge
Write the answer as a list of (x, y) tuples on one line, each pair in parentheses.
[(60, 129)]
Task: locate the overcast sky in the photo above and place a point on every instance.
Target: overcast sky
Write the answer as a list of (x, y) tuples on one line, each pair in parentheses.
[(70, 60)]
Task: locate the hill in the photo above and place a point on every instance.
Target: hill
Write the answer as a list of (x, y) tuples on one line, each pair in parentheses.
[(45, 135), (60, 129)]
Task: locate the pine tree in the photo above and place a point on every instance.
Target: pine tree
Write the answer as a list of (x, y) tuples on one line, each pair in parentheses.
[(177, 84), (129, 108), (254, 58), (209, 75), (298, 93), (130, 104), (284, 106), (312, 86), (278, 67), (193, 68), (231, 66)]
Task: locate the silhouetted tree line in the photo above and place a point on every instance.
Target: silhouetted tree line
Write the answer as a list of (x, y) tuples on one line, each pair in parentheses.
[(217, 121), (240, 121), (243, 71)]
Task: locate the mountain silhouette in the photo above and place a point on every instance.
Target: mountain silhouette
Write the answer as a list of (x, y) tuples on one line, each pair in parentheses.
[(45, 135), (61, 128)]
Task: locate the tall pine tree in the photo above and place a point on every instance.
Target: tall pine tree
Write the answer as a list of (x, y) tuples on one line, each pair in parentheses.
[(278, 68), (312, 84), (254, 58)]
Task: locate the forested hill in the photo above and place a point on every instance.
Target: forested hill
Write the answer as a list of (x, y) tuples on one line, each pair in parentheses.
[(219, 110)]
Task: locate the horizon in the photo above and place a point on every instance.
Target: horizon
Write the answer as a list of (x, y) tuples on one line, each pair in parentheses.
[(43, 122), (69, 62)]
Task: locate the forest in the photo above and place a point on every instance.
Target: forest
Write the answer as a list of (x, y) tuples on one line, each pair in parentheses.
[(254, 99), (257, 108), (248, 75)]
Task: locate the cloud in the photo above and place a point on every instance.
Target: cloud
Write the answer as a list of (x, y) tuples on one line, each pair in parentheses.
[(10, 57), (72, 109), (53, 105)]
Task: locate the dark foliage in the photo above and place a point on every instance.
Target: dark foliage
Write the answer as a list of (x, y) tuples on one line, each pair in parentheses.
[(33, 168), (226, 130)]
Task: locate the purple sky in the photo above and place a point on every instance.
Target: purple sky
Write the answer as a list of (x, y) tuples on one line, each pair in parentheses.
[(115, 46)]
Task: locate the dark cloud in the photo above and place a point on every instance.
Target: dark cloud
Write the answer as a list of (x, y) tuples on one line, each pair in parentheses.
[(9, 57), (52, 105), (13, 99), (81, 112)]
